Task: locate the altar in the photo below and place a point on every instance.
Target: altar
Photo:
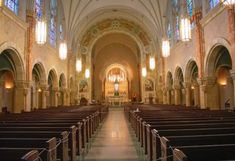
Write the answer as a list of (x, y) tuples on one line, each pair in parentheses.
[(116, 87), (116, 100)]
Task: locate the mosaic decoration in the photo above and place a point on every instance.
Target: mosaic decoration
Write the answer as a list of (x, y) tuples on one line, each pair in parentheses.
[(114, 24)]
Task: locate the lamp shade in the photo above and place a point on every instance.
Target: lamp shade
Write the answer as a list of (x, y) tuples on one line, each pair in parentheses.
[(185, 29), (87, 73), (165, 48), (152, 63), (144, 72), (78, 65), (63, 50), (41, 32)]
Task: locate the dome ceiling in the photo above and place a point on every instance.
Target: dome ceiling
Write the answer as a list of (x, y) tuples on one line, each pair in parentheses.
[(82, 14)]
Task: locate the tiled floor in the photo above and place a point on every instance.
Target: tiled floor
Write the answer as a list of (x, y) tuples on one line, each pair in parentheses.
[(113, 142)]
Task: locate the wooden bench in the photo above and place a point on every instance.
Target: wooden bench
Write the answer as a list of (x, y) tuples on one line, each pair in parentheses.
[(204, 153), (170, 142), (62, 150), (19, 154), (49, 145)]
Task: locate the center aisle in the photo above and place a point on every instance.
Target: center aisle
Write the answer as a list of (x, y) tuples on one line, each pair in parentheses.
[(113, 142)]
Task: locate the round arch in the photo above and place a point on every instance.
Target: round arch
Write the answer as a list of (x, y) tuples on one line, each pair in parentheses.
[(39, 71), (178, 75), (52, 78), (191, 70), (212, 52), (62, 81), (15, 60)]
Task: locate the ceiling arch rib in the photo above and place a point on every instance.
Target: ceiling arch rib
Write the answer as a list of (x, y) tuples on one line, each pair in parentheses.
[(77, 11)]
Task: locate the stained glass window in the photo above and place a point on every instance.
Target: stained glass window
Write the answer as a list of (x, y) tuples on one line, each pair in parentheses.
[(213, 3), (52, 27), (169, 32), (175, 2), (38, 8), (189, 7), (177, 28), (61, 32), (13, 5)]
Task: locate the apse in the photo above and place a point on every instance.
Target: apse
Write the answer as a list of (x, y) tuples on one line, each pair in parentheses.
[(115, 52)]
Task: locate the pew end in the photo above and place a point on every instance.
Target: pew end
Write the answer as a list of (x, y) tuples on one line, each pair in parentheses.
[(178, 155), (33, 155)]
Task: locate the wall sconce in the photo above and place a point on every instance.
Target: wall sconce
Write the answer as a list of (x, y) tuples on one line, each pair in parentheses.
[(8, 85)]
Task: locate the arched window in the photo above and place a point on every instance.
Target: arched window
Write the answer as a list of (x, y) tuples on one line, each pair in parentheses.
[(38, 8), (189, 7), (177, 28), (61, 32), (13, 5), (52, 27), (213, 3)]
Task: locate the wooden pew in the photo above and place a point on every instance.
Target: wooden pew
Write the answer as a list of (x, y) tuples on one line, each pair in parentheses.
[(71, 137), (171, 142), (204, 153), (49, 145), (180, 132), (79, 134), (62, 152), (19, 154)]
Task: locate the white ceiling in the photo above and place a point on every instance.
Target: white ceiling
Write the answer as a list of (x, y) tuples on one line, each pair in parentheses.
[(80, 14)]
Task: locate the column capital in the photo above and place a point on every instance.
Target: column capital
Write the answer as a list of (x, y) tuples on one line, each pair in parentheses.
[(22, 84), (232, 73), (177, 87), (208, 81), (187, 84)]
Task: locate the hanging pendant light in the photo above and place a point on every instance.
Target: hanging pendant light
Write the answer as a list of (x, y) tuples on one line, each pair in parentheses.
[(41, 32), (87, 73), (228, 2), (63, 50), (165, 48), (78, 65), (185, 29), (144, 72), (152, 63)]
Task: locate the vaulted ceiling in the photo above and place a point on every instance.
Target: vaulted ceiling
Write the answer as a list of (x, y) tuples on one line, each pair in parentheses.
[(81, 14)]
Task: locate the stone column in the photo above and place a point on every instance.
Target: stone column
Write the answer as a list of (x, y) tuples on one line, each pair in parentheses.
[(196, 95), (72, 97), (209, 93), (168, 96), (44, 96), (21, 92), (202, 88), (187, 86), (55, 94), (231, 25), (65, 96), (1, 93), (232, 73), (164, 96), (199, 43), (177, 94)]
